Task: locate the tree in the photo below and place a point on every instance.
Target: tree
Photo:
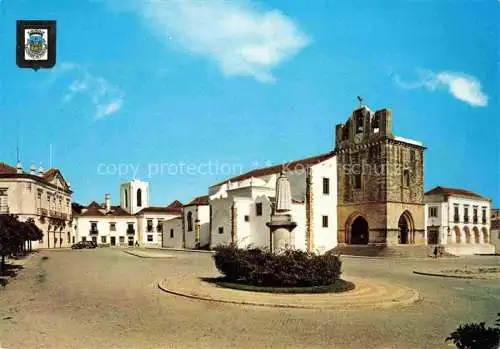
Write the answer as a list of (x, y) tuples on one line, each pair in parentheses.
[(33, 232), (476, 336), (14, 235), (9, 236)]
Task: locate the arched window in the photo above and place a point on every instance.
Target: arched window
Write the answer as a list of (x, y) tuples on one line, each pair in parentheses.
[(190, 221), (139, 197), (126, 198)]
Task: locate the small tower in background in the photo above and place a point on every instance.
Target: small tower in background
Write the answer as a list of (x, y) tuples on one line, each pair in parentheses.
[(134, 196)]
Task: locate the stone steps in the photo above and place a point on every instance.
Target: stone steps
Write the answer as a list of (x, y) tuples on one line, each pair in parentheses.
[(408, 251)]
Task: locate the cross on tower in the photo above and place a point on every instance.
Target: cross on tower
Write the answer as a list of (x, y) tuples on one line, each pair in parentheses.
[(360, 100)]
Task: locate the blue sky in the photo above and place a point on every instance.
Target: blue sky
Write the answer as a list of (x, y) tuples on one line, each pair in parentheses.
[(149, 87)]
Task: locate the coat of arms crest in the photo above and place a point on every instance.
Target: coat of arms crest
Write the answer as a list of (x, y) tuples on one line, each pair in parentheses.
[(36, 44)]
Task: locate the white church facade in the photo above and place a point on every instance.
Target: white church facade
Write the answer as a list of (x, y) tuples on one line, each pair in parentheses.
[(325, 199), (242, 206)]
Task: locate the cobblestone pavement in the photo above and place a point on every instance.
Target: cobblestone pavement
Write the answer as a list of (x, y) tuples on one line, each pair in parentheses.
[(105, 298)]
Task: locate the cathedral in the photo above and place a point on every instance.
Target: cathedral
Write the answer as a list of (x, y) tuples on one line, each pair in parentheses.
[(380, 182), (366, 191)]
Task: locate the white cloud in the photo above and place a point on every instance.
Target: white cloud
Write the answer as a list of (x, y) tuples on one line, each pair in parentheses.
[(463, 87), (241, 39), (108, 109), (106, 99)]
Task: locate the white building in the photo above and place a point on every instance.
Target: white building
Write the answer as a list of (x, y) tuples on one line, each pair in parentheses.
[(458, 219), (495, 229), (173, 233), (133, 221), (192, 229), (42, 196), (196, 216), (241, 206)]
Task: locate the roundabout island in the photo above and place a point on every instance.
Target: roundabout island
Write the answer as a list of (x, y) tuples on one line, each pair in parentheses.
[(365, 295)]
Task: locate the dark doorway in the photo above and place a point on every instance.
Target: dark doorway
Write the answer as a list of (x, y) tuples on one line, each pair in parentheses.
[(403, 230), (113, 241), (359, 232), (131, 241), (433, 236)]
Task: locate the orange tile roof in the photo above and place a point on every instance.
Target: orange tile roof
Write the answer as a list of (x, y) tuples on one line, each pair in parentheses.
[(454, 191), (93, 209), (200, 200), (7, 169), (11, 172), (152, 209), (175, 204), (292, 166)]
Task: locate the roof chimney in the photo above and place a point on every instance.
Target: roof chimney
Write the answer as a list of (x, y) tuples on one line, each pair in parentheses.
[(33, 168), (19, 167), (107, 202)]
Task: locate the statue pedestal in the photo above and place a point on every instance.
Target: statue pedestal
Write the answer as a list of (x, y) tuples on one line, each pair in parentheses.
[(282, 236)]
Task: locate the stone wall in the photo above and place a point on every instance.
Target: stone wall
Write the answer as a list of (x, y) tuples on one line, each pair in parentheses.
[(379, 178)]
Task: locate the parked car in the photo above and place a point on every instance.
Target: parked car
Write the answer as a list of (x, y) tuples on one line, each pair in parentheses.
[(84, 244), (91, 244), (78, 245)]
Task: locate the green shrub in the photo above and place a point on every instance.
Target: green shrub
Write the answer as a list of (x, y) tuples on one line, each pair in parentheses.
[(476, 336), (292, 268)]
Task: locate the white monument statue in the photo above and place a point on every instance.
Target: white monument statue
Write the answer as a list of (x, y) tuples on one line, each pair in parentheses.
[(281, 225), (283, 194)]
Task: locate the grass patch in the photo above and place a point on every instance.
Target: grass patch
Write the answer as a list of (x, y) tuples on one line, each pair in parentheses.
[(480, 270), (337, 287)]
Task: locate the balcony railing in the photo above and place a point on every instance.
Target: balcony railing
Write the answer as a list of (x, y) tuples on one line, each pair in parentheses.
[(466, 219), (51, 213), (130, 231), (94, 232), (149, 229), (41, 211), (475, 220), (456, 219)]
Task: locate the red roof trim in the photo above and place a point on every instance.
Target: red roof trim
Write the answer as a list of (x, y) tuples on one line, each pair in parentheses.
[(198, 201), (291, 166), (159, 210), (454, 192), (7, 171)]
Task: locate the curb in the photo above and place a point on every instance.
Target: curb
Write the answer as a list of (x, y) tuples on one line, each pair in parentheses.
[(179, 250), (140, 256), (342, 306), (396, 258), (451, 276)]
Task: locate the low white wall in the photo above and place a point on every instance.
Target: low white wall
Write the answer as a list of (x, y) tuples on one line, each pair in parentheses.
[(467, 250)]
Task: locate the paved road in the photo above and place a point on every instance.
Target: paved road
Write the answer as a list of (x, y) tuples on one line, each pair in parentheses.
[(105, 298)]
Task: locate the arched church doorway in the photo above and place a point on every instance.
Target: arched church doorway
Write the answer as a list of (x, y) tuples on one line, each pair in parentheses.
[(405, 226), (359, 231)]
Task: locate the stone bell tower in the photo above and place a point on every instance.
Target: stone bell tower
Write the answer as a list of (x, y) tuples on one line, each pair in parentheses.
[(380, 182)]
